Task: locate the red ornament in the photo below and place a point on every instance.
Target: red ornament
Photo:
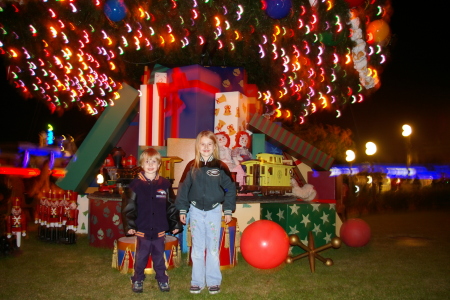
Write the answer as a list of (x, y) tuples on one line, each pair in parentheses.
[(130, 161), (355, 233), (264, 244), (109, 162), (354, 3)]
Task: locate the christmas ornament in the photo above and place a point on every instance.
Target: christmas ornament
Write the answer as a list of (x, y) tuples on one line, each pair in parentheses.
[(264, 244), (331, 39), (354, 3), (359, 53), (377, 31), (278, 9), (115, 10)]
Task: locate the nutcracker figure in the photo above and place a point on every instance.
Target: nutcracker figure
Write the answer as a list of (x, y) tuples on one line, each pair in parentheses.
[(41, 215), (16, 223), (68, 195), (54, 218), (72, 221), (64, 204)]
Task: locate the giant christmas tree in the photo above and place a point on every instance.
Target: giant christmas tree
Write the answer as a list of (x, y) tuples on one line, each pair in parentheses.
[(304, 56)]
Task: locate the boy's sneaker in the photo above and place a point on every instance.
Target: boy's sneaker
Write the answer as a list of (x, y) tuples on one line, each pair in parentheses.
[(215, 289), (164, 286), (137, 286), (195, 289)]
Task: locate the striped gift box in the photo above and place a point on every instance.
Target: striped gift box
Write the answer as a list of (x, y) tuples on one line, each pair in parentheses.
[(292, 144)]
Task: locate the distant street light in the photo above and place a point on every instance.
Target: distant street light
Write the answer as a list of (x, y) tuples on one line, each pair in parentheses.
[(371, 148), (350, 156), (407, 131)]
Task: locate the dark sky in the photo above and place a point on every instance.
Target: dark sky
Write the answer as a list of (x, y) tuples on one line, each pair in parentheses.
[(415, 89)]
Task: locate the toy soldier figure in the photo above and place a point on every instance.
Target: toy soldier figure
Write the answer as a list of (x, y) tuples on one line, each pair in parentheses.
[(64, 204), (72, 221), (53, 218), (68, 195), (16, 223), (41, 215)]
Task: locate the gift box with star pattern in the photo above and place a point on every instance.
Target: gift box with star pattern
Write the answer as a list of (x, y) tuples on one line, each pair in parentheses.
[(302, 217)]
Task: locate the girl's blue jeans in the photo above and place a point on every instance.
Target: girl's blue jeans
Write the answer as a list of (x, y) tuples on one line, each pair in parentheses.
[(205, 232)]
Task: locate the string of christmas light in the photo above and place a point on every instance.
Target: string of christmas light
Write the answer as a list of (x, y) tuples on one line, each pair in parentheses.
[(78, 53)]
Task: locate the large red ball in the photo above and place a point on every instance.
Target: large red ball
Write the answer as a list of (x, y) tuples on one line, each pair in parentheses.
[(355, 233), (264, 244)]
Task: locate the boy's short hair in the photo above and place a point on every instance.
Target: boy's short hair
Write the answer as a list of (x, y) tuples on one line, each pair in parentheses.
[(149, 153)]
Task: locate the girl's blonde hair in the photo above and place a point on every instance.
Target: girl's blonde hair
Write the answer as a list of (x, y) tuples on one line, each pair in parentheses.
[(149, 154), (210, 135)]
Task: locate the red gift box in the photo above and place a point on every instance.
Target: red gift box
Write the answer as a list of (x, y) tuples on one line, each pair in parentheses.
[(189, 97), (105, 222)]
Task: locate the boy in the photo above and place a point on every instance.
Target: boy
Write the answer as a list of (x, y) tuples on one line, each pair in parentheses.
[(148, 214)]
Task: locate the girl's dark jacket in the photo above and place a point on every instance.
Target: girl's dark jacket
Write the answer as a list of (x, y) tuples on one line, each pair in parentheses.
[(206, 188), (148, 207)]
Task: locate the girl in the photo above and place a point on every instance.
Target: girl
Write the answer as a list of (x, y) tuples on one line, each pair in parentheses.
[(204, 186)]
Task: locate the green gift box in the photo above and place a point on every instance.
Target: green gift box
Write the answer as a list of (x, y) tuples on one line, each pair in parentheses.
[(301, 217)]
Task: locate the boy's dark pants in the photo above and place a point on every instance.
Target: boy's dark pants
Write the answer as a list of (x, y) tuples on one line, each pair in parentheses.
[(144, 248)]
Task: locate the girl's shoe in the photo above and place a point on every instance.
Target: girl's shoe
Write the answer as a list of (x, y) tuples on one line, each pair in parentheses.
[(215, 289), (195, 289)]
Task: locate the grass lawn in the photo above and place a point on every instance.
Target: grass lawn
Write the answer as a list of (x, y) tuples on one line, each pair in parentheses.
[(407, 258)]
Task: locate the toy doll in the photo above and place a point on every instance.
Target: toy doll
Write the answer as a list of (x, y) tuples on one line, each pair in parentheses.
[(241, 151), (223, 140), (72, 221), (54, 218), (16, 223), (41, 215)]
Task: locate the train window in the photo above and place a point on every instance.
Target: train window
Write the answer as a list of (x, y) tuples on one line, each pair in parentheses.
[(263, 170), (270, 171), (271, 158), (251, 170)]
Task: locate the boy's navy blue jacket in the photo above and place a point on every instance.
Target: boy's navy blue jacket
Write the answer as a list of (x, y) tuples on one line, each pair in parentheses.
[(148, 208)]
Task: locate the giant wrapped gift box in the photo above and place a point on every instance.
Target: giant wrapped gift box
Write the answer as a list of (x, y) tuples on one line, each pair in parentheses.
[(105, 222), (324, 184), (246, 214), (231, 114), (291, 143), (189, 97), (302, 217), (231, 78)]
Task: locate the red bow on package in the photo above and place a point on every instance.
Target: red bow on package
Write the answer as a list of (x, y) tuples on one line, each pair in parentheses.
[(174, 105)]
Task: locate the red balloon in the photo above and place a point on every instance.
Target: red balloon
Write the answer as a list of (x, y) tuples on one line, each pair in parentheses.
[(355, 233), (354, 3), (264, 244)]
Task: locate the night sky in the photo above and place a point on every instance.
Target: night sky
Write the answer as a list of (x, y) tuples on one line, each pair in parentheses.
[(415, 89)]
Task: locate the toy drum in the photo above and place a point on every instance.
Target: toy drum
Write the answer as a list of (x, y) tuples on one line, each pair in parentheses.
[(125, 250), (227, 245)]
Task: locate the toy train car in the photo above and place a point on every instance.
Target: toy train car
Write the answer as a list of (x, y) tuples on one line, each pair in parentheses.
[(268, 174)]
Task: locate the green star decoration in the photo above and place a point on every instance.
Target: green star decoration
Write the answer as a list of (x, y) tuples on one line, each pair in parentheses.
[(303, 217)]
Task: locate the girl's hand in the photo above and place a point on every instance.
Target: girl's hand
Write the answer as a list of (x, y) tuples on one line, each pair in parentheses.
[(175, 231), (131, 232), (183, 219), (227, 219)]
